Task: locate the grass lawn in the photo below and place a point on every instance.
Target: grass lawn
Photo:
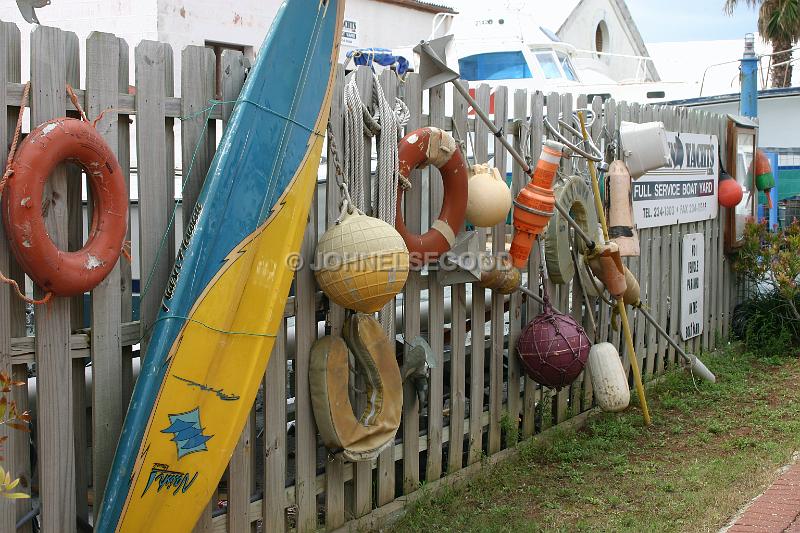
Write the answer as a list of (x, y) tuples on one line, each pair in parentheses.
[(706, 454)]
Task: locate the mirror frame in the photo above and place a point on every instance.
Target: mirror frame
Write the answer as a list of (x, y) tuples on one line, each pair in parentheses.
[(738, 126)]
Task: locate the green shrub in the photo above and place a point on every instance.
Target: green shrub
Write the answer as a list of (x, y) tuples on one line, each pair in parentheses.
[(768, 264), (767, 326)]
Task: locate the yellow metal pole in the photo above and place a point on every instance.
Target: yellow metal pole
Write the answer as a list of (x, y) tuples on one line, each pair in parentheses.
[(626, 328)]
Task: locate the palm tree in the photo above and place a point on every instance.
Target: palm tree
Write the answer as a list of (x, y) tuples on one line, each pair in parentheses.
[(778, 23)]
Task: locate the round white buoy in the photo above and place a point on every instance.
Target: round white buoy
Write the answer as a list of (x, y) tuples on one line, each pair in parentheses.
[(489, 198)]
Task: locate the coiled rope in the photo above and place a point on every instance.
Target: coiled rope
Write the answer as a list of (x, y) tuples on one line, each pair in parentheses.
[(387, 126)]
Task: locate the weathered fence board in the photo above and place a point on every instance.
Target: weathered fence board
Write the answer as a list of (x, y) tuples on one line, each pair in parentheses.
[(478, 316), (458, 331), (334, 468), (274, 501), (532, 389), (17, 441), (156, 184), (412, 211), (305, 428), (55, 391), (435, 310), (386, 463), (497, 329), (102, 92)]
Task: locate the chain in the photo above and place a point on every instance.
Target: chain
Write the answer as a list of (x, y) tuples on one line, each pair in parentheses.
[(346, 205)]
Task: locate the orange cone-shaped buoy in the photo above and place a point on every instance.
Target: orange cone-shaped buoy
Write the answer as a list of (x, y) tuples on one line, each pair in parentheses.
[(534, 204)]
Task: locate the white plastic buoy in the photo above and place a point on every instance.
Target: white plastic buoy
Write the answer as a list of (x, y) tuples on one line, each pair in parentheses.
[(609, 382), (489, 198)]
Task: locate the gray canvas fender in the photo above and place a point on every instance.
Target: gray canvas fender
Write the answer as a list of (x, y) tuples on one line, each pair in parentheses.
[(363, 438), (575, 196)]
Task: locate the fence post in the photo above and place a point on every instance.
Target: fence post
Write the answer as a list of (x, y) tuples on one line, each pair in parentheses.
[(56, 450), (433, 468), (411, 299), (477, 382), (458, 322), (334, 468), (108, 409), (156, 175), (11, 313)]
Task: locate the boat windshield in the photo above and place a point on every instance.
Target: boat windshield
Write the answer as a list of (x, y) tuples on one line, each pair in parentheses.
[(549, 66), (566, 66), (555, 65), (494, 66)]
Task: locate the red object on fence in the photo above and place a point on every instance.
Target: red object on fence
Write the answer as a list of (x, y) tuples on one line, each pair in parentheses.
[(432, 146), (730, 192), (52, 143), (473, 94)]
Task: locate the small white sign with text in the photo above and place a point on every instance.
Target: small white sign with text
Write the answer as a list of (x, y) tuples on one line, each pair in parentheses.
[(350, 32), (692, 271)]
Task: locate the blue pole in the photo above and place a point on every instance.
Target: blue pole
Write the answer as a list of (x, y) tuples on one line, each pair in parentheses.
[(748, 98)]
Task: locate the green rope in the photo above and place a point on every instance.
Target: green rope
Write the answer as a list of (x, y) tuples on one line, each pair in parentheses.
[(213, 328), (149, 330), (187, 174)]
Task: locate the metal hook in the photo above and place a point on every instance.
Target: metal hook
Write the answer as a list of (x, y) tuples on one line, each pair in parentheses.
[(596, 156)]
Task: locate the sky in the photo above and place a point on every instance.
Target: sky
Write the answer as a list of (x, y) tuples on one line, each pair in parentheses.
[(686, 20)]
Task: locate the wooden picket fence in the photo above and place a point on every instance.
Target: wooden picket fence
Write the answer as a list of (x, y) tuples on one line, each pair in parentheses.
[(280, 474)]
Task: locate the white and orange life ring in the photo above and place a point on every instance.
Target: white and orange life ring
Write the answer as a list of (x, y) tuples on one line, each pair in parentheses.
[(432, 146), (57, 271)]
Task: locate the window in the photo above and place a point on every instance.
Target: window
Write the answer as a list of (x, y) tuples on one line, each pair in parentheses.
[(566, 66), (547, 60), (603, 96), (494, 66), (601, 36), (218, 49)]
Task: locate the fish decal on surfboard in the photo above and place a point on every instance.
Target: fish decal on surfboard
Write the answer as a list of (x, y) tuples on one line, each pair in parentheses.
[(225, 298)]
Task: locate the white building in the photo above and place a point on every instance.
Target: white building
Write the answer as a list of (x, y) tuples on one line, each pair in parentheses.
[(606, 26), (240, 25)]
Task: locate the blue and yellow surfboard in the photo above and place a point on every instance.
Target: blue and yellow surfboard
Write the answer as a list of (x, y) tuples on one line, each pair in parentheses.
[(225, 298)]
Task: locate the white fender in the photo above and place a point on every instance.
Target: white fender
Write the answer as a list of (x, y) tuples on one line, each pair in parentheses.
[(609, 382)]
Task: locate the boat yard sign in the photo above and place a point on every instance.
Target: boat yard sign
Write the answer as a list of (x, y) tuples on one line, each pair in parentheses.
[(683, 191), (350, 32)]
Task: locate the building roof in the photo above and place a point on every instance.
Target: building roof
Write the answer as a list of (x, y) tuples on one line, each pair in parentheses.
[(422, 6)]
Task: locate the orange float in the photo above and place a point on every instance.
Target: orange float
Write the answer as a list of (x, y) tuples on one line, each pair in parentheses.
[(765, 181), (57, 271), (432, 146), (535, 203)]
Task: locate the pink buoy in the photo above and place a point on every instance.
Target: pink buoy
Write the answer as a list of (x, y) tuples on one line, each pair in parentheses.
[(553, 348)]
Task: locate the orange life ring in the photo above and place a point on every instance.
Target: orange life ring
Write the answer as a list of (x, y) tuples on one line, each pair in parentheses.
[(57, 271), (432, 146)]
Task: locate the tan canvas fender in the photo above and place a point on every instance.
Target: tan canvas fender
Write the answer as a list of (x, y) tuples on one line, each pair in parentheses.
[(621, 229), (363, 438), (575, 196)]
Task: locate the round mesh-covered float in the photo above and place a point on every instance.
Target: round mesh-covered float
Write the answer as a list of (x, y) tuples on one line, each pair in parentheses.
[(553, 348)]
